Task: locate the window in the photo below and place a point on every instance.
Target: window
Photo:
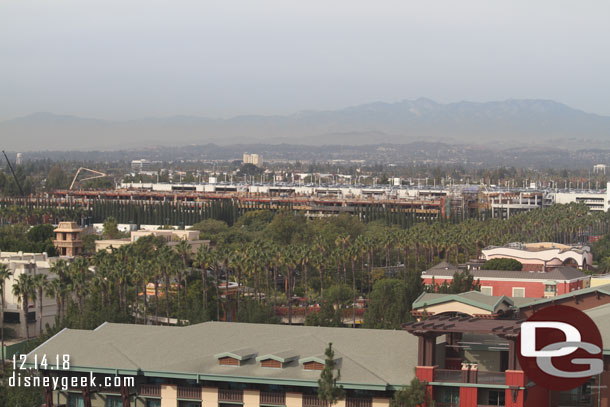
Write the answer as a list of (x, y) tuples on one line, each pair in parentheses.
[(75, 400), (189, 404), (449, 396), (496, 398), (487, 290), (518, 292), (153, 403), (550, 288), (114, 401)]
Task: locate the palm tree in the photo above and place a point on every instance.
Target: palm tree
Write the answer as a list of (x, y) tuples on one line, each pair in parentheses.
[(79, 277), (53, 289), (24, 289), (40, 282), (183, 249), (5, 273), (204, 259)]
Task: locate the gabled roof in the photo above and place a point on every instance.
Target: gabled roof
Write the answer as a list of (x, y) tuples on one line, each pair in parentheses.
[(240, 354), (558, 273), (318, 359), (474, 298), (282, 357), (190, 352)]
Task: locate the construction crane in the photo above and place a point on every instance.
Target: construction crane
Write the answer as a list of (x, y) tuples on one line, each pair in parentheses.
[(99, 175), (13, 172)]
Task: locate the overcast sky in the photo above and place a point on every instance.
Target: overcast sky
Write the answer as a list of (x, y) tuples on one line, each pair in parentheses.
[(139, 58)]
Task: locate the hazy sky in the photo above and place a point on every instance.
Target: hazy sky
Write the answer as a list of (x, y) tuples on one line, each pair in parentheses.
[(138, 58)]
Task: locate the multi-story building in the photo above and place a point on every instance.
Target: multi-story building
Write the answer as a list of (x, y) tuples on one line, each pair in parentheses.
[(255, 159), (220, 364), (510, 283), (172, 237), (141, 165), (595, 200), (15, 317), (542, 256)]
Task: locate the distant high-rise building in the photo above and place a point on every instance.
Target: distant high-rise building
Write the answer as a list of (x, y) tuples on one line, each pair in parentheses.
[(255, 159), (141, 165), (19, 159)]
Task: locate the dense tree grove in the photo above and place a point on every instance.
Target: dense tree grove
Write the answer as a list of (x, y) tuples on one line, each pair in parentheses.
[(288, 265)]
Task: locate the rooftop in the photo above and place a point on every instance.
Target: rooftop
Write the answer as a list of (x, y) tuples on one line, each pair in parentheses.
[(474, 298), (191, 352), (563, 273)]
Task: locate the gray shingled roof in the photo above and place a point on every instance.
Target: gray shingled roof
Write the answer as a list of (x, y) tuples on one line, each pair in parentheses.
[(368, 358), (601, 315), (558, 273)]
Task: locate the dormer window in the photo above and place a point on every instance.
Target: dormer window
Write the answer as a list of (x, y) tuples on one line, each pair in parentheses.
[(277, 360), (315, 362), (235, 358)]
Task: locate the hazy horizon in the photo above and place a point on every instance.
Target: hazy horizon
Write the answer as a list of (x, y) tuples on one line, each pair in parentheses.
[(126, 60)]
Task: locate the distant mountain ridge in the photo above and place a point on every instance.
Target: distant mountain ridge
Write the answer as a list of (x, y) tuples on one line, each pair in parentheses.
[(514, 122)]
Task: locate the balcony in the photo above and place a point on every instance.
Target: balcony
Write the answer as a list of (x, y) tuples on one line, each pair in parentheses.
[(358, 402), (491, 377), (472, 376), (189, 393), (230, 396), (575, 400), (150, 390), (448, 376), (312, 400), (273, 399)]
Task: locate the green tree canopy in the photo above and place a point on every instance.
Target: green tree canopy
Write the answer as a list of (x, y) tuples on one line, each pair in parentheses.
[(413, 395), (390, 303), (328, 390), (502, 264)]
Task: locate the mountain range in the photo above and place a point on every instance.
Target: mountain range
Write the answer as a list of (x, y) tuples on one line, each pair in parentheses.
[(515, 122)]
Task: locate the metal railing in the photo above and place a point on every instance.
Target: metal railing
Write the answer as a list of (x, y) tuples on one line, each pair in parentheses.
[(274, 399), (150, 390), (491, 377), (358, 402), (312, 400), (189, 392), (575, 400), (448, 375), (231, 396)]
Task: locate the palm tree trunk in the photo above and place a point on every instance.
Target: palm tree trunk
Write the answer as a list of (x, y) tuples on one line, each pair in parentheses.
[(2, 324), (204, 288), (145, 302), (167, 296), (289, 295), (217, 294), (156, 301), (26, 307), (354, 291), (40, 308)]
